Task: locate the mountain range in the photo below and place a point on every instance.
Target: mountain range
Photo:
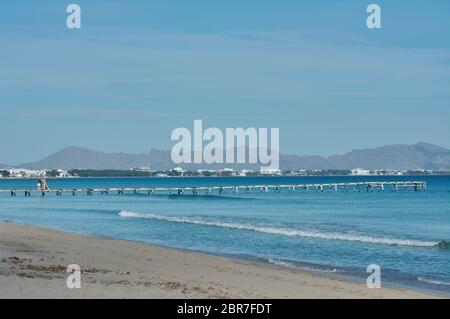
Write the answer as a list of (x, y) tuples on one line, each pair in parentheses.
[(417, 156)]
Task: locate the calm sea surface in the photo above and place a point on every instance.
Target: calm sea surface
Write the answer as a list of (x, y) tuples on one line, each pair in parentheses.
[(406, 233)]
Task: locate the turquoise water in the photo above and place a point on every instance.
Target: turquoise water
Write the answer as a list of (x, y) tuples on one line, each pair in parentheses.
[(406, 233)]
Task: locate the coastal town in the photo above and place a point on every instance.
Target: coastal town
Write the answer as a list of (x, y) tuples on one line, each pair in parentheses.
[(23, 173)]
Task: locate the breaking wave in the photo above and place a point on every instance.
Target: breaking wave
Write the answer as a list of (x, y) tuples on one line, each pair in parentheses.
[(433, 281), (307, 268), (290, 232)]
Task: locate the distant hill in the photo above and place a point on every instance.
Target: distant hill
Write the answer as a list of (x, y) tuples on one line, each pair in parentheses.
[(418, 156), (84, 158)]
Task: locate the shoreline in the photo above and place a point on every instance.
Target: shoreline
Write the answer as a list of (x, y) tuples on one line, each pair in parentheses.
[(33, 262)]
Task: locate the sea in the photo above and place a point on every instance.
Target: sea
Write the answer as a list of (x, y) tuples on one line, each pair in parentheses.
[(405, 233)]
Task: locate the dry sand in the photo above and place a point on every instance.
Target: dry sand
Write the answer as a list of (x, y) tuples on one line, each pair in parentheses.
[(33, 262)]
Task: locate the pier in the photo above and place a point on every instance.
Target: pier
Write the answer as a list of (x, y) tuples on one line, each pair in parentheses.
[(43, 189)]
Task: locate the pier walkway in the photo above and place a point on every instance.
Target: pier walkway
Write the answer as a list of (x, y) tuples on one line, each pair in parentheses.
[(43, 189)]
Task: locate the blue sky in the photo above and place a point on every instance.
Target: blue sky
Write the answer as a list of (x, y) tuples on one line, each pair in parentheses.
[(138, 69)]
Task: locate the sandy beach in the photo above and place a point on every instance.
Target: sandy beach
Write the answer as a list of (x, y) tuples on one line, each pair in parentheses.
[(33, 264)]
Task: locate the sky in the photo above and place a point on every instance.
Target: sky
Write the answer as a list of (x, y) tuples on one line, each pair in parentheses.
[(136, 70)]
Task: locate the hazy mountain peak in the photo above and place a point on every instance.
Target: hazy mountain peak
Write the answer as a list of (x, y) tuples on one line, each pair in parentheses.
[(431, 148)]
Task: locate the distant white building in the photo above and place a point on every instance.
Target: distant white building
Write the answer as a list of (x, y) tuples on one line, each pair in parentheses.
[(270, 171), (25, 173), (244, 172), (179, 170), (62, 173), (31, 173), (360, 171)]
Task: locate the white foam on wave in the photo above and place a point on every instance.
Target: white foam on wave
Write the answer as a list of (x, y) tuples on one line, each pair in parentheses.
[(433, 281), (286, 231), (292, 265)]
